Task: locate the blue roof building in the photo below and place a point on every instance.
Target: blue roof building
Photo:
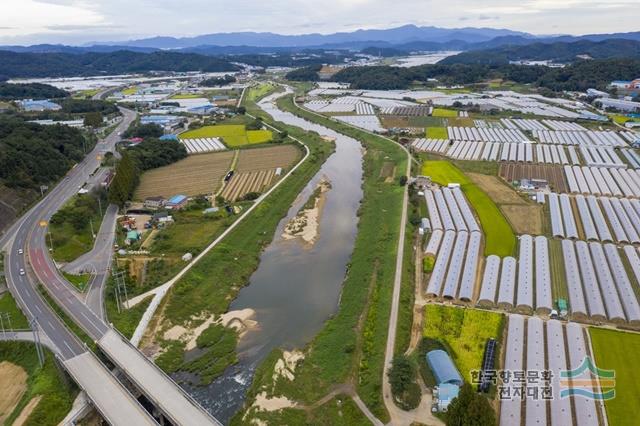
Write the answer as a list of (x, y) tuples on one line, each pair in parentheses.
[(169, 137), (177, 202), (443, 368)]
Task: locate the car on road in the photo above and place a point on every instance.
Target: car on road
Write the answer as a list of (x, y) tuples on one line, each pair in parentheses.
[(20, 251), (21, 271)]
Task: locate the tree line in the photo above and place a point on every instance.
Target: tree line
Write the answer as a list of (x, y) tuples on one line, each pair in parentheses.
[(576, 77)]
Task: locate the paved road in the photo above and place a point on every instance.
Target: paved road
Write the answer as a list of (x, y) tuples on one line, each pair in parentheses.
[(97, 262), (92, 376)]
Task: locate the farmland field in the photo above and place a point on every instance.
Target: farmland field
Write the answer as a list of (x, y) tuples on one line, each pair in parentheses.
[(437, 133), (195, 175), (552, 174), (244, 183), (267, 158), (500, 238), (233, 135), (619, 351), (525, 216), (443, 112), (464, 332)]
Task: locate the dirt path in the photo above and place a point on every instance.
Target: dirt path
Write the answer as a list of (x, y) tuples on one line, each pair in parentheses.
[(27, 410), (13, 382), (419, 301)]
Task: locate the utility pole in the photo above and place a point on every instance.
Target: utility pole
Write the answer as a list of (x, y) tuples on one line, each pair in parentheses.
[(120, 289), (50, 242), (42, 189), (5, 317), (36, 339), (100, 205)]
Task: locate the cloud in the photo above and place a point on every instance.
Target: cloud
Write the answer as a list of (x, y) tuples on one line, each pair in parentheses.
[(80, 27), (81, 21)]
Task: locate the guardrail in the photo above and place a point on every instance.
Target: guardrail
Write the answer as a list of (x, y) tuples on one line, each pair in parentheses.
[(153, 365)]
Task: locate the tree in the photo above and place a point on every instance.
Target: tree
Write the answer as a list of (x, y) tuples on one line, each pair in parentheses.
[(470, 409), (93, 119), (402, 376), (241, 110), (403, 180)]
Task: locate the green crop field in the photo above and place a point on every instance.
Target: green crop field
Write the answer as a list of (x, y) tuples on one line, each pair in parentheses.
[(187, 96), (499, 236), (619, 351), (442, 112), (464, 332), (233, 135), (437, 133)]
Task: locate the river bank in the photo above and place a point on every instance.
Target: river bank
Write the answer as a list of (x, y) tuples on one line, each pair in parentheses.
[(349, 350)]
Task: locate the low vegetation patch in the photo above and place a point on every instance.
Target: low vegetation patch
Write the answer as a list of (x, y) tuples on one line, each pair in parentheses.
[(463, 332), (71, 227), (8, 306)]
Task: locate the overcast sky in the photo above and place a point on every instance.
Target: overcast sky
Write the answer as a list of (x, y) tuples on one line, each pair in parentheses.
[(82, 21)]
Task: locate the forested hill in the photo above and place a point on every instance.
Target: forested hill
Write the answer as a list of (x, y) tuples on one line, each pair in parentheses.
[(580, 76), (32, 155), (14, 64), (30, 91), (561, 52)]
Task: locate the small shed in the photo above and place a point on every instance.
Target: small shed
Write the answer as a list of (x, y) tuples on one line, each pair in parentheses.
[(443, 368)]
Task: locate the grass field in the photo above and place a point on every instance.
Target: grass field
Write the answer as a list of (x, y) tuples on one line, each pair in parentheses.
[(8, 306), (49, 382), (445, 113), (233, 135), (464, 332), (500, 238), (619, 351), (79, 281), (68, 241), (437, 133)]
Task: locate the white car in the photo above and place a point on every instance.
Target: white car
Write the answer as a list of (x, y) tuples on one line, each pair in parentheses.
[(21, 271), (20, 251)]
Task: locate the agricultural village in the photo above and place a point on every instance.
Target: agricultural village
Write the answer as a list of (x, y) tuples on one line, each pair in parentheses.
[(444, 245)]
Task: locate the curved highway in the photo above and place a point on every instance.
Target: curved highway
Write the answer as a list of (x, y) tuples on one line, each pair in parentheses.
[(28, 257)]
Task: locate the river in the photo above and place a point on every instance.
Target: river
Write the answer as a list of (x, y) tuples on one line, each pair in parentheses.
[(296, 288)]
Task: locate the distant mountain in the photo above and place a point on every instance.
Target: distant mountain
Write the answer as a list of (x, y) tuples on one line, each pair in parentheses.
[(61, 48), (556, 51), (29, 64), (399, 35)]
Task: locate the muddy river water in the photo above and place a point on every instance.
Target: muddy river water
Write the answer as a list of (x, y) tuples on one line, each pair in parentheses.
[(296, 287)]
